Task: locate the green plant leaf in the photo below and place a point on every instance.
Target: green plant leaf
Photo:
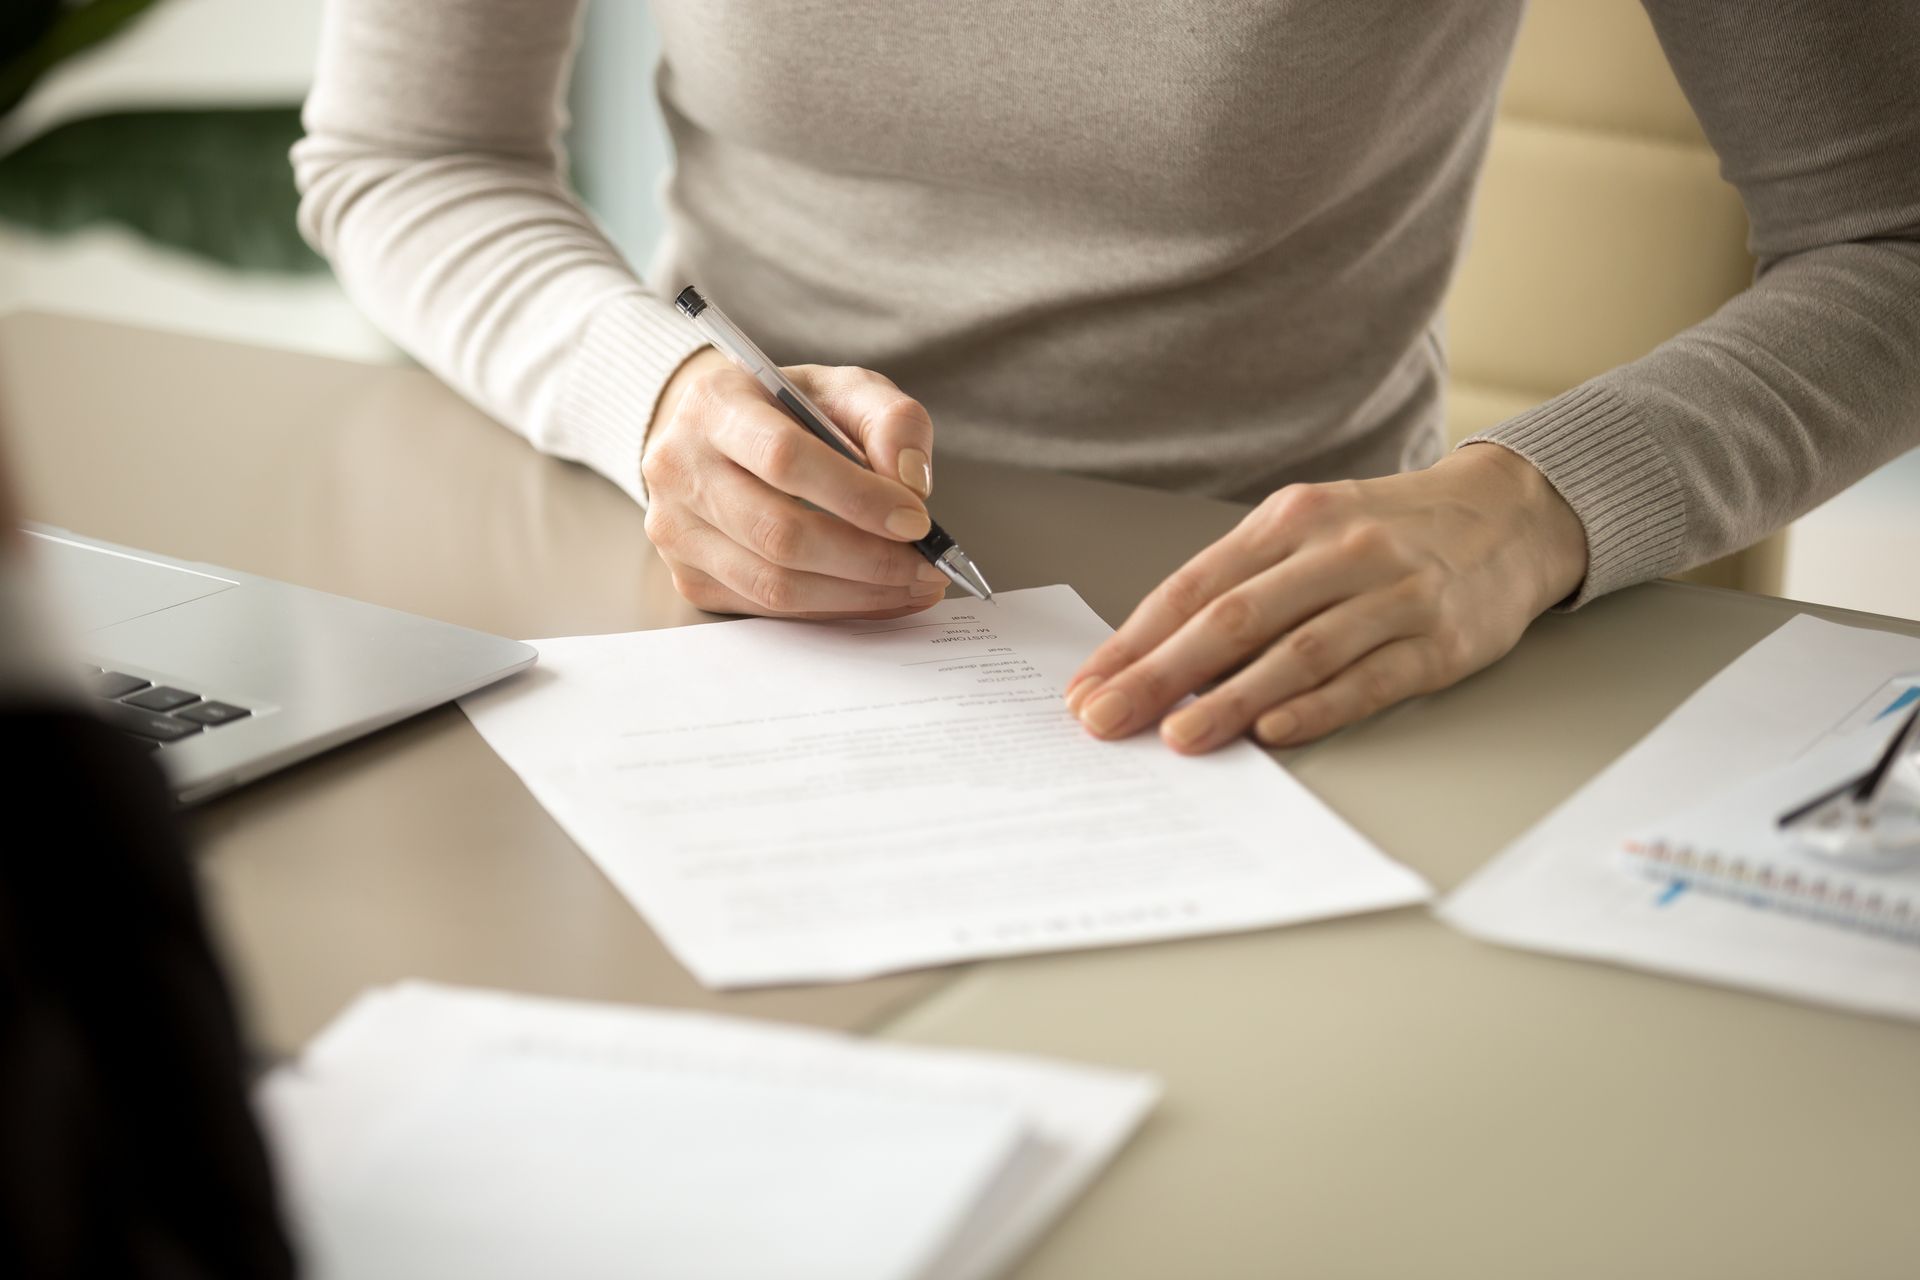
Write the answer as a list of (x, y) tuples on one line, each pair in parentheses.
[(42, 35), (214, 182)]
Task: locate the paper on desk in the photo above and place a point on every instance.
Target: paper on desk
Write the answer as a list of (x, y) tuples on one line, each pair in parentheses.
[(1561, 887), (791, 801), (434, 1131)]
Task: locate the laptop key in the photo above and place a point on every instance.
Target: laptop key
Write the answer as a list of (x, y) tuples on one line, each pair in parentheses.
[(212, 713), (161, 697), (116, 684), (144, 724)]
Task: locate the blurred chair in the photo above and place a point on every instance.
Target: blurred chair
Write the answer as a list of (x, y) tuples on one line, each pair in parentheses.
[(1602, 228)]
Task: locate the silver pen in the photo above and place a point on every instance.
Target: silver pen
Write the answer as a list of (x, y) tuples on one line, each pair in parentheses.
[(938, 546)]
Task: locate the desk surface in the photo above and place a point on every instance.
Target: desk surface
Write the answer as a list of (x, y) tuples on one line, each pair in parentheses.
[(1364, 1097)]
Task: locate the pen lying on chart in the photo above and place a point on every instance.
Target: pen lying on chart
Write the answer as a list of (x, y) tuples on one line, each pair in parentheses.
[(938, 546)]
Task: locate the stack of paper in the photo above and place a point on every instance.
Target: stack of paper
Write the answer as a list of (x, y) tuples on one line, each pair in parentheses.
[(440, 1132), (793, 802)]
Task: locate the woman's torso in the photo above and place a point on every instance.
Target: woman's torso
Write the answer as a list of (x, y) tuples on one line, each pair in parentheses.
[(1195, 245)]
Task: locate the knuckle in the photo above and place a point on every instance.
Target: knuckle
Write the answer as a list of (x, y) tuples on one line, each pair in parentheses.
[(730, 387), (1421, 587), (1293, 505), (774, 589), (661, 528), (903, 409), (776, 454), (1231, 706), (695, 588), (818, 377), (890, 569), (1150, 684), (1368, 540), (1307, 648), (1234, 617), (707, 394), (1114, 656), (777, 536), (856, 380), (1185, 594), (1420, 596), (1439, 657), (659, 465), (1378, 686)]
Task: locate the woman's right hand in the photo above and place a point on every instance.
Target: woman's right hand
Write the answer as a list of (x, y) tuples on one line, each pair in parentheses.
[(729, 474)]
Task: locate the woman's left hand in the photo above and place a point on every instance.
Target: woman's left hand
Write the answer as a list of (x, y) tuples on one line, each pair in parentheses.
[(1331, 601)]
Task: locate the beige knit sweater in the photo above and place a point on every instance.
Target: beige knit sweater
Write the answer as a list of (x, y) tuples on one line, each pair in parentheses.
[(1188, 244)]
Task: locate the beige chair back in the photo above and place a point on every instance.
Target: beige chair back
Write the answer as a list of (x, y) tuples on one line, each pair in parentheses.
[(1602, 228)]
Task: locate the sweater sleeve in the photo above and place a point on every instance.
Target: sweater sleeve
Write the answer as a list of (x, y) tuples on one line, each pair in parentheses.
[(1811, 377), (432, 177)]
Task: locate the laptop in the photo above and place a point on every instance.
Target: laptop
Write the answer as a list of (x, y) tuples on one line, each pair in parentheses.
[(226, 677)]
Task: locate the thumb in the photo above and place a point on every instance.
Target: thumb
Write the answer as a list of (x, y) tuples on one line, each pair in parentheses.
[(892, 427)]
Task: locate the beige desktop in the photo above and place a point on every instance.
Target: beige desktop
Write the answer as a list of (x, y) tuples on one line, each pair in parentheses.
[(1365, 1097)]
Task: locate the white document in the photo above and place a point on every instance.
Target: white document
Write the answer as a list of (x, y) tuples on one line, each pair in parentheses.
[(440, 1132), (794, 801), (1562, 887)]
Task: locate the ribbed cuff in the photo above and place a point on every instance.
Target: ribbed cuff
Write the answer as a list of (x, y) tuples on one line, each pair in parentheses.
[(1595, 452), (613, 382)]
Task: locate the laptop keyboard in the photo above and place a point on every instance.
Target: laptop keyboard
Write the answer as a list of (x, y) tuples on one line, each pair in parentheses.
[(156, 714)]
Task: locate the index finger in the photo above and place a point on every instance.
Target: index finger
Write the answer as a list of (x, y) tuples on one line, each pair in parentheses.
[(1168, 607), (890, 425), (1268, 534), (772, 445)]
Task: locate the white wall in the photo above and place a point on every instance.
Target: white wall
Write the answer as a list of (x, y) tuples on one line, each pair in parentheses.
[(1862, 550)]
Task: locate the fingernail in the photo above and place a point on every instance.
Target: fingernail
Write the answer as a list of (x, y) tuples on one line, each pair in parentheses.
[(1081, 690), (1188, 728), (928, 573), (908, 522), (1106, 713), (921, 590), (1276, 727), (916, 472)]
